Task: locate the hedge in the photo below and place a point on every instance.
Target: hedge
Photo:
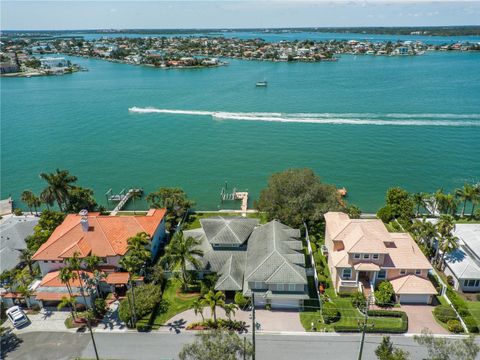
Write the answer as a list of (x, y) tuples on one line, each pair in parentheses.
[(443, 313), (379, 329), (330, 313), (461, 306)]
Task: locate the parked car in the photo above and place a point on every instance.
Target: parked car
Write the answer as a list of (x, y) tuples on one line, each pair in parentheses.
[(17, 316)]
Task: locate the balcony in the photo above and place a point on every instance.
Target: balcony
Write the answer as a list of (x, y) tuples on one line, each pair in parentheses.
[(349, 283)]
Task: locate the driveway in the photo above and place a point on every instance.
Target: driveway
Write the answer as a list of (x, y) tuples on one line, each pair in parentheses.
[(421, 317), (269, 320), (111, 320), (46, 320)]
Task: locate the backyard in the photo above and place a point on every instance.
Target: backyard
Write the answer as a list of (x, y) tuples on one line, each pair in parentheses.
[(193, 221)]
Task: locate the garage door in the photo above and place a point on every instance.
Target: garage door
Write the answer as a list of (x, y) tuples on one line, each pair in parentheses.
[(414, 299), (285, 304)]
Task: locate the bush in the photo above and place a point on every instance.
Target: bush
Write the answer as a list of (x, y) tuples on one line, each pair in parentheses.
[(314, 247), (450, 280), (232, 325), (100, 306), (241, 300), (17, 212), (385, 214), (143, 327), (268, 306), (384, 295), (377, 328), (444, 313), (471, 324), (146, 298), (359, 300), (35, 307), (330, 313), (454, 326)]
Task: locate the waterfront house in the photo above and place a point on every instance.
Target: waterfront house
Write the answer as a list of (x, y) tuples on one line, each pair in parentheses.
[(361, 253), (53, 62), (101, 235), (463, 264), (266, 260)]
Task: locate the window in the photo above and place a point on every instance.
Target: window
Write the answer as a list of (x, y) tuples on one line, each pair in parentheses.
[(291, 287), (356, 256), (347, 273), (403, 271), (418, 272), (375, 256), (477, 282), (257, 285), (366, 256), (382, 274), (471, 283)]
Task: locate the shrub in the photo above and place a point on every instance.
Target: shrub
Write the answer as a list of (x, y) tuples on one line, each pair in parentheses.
[(471, 324), (35, 307), (146, 298), (100, 306), (359, 300), (241, 300), (385, 214), (143, 327), (268, 306), (322, 279), (330, 313), (384, 296), (314, 247), (444, 313), (18, 212), (450, 280), (454, 326)]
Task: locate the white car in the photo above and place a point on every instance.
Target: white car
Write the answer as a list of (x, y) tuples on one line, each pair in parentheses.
[(17, 316)]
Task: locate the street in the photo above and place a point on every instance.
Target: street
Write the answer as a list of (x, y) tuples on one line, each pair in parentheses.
[(159, 346)]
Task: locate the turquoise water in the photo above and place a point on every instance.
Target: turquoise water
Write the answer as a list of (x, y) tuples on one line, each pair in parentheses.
[(82, 122)]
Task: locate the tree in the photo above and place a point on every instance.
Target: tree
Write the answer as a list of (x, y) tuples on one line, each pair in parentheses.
[(425, 233), (48, 221), (59, 184), (448, 244), (213, 299), (197, 307), (353, 211), (135, 194), (298, 195), (399, 204), (68, 302), (384, 295), (217, 345), (174, 200), (26, 258), (386, 351), (181, 251), (446, 241), (79, 199), (419, 200), (27, 198), (230, 310), (446, 349), (475, 198), (147, 296)]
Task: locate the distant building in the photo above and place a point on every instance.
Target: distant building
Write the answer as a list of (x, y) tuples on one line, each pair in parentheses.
[(8, 67), (53, 62)]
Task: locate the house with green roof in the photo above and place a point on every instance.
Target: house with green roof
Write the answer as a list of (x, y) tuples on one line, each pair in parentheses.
[(264, 260)]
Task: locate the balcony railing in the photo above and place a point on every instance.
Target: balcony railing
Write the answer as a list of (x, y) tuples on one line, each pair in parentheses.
[(348, 283)]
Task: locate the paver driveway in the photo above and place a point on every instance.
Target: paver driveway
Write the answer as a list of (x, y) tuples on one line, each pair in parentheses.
[(421, 317)]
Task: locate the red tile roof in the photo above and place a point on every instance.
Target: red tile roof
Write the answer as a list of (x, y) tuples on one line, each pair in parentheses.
[(52, 279), (117, 278), (106, 236), (52, 296)]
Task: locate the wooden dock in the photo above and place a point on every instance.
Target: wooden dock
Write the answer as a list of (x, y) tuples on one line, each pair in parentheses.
[(123, 197), (244, 197)]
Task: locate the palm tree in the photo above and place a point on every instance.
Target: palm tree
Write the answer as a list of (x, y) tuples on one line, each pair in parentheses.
[(213, 299), (26, 258), (27, 198), (419, 200), (475, 198), (138, 244), (448, 244), (230, 310), (464, 194), (59, 184), (47, 198), (135, 194), (36, 203), (181, 251), (91, 262), (68, 302), (132, 264), (197, 307), (445, 227)]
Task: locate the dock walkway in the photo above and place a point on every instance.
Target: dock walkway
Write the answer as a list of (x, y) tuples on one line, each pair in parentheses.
[(123, 199)]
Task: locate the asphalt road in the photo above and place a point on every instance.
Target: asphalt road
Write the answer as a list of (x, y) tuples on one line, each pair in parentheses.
[(160, 346)]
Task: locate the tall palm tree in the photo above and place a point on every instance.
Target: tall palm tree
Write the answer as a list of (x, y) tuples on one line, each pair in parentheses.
[(135, 194), (132, 264), (138, 244), (230, 310), (59, 184), (445, 227), (181, 251), (197, 307), (419, 200), (66, 276), (448, 244), (27, 197), (475, 198), (36, 203), (26, 258), (213, 299), (465, 194), (68, 302)]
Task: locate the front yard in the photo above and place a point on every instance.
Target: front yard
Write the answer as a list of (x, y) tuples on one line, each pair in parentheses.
[(177, 303)]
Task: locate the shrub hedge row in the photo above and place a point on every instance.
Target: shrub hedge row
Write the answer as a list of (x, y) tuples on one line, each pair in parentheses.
[(461, 306), (379, 329)]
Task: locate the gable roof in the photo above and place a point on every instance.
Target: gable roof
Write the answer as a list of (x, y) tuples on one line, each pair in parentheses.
[(462, 264), (413, 284), (228, 230), (106, 235), (268, 252), (231, 276)]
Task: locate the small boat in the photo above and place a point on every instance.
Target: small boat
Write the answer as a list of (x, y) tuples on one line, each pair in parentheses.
[(261, 84)]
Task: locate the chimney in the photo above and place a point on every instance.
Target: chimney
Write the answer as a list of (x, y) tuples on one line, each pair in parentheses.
[(84, 220)]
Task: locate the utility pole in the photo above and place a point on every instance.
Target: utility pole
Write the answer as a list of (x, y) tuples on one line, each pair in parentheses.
[(364, 328), (254, 325)]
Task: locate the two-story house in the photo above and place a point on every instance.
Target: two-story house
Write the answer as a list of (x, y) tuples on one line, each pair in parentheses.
[(361, 252), (266, 260)]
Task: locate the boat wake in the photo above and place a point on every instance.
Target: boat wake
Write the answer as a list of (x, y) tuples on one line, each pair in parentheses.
[(330, 118)]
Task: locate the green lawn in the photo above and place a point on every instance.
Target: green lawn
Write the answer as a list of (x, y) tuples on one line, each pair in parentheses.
[(177, 301), (194, 219), (474, 307)]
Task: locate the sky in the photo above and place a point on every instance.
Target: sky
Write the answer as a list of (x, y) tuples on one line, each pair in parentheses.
[(110, 14)]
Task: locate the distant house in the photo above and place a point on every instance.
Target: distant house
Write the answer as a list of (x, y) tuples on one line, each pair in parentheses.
[(100, 235), (361, 253), (463, 264), (53, 62), (266, 260), (13, 231)]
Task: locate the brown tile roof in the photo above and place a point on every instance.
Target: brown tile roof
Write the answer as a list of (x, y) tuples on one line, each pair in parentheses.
[(52, 296), (412, 284), (117, 278), (107, 235)]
